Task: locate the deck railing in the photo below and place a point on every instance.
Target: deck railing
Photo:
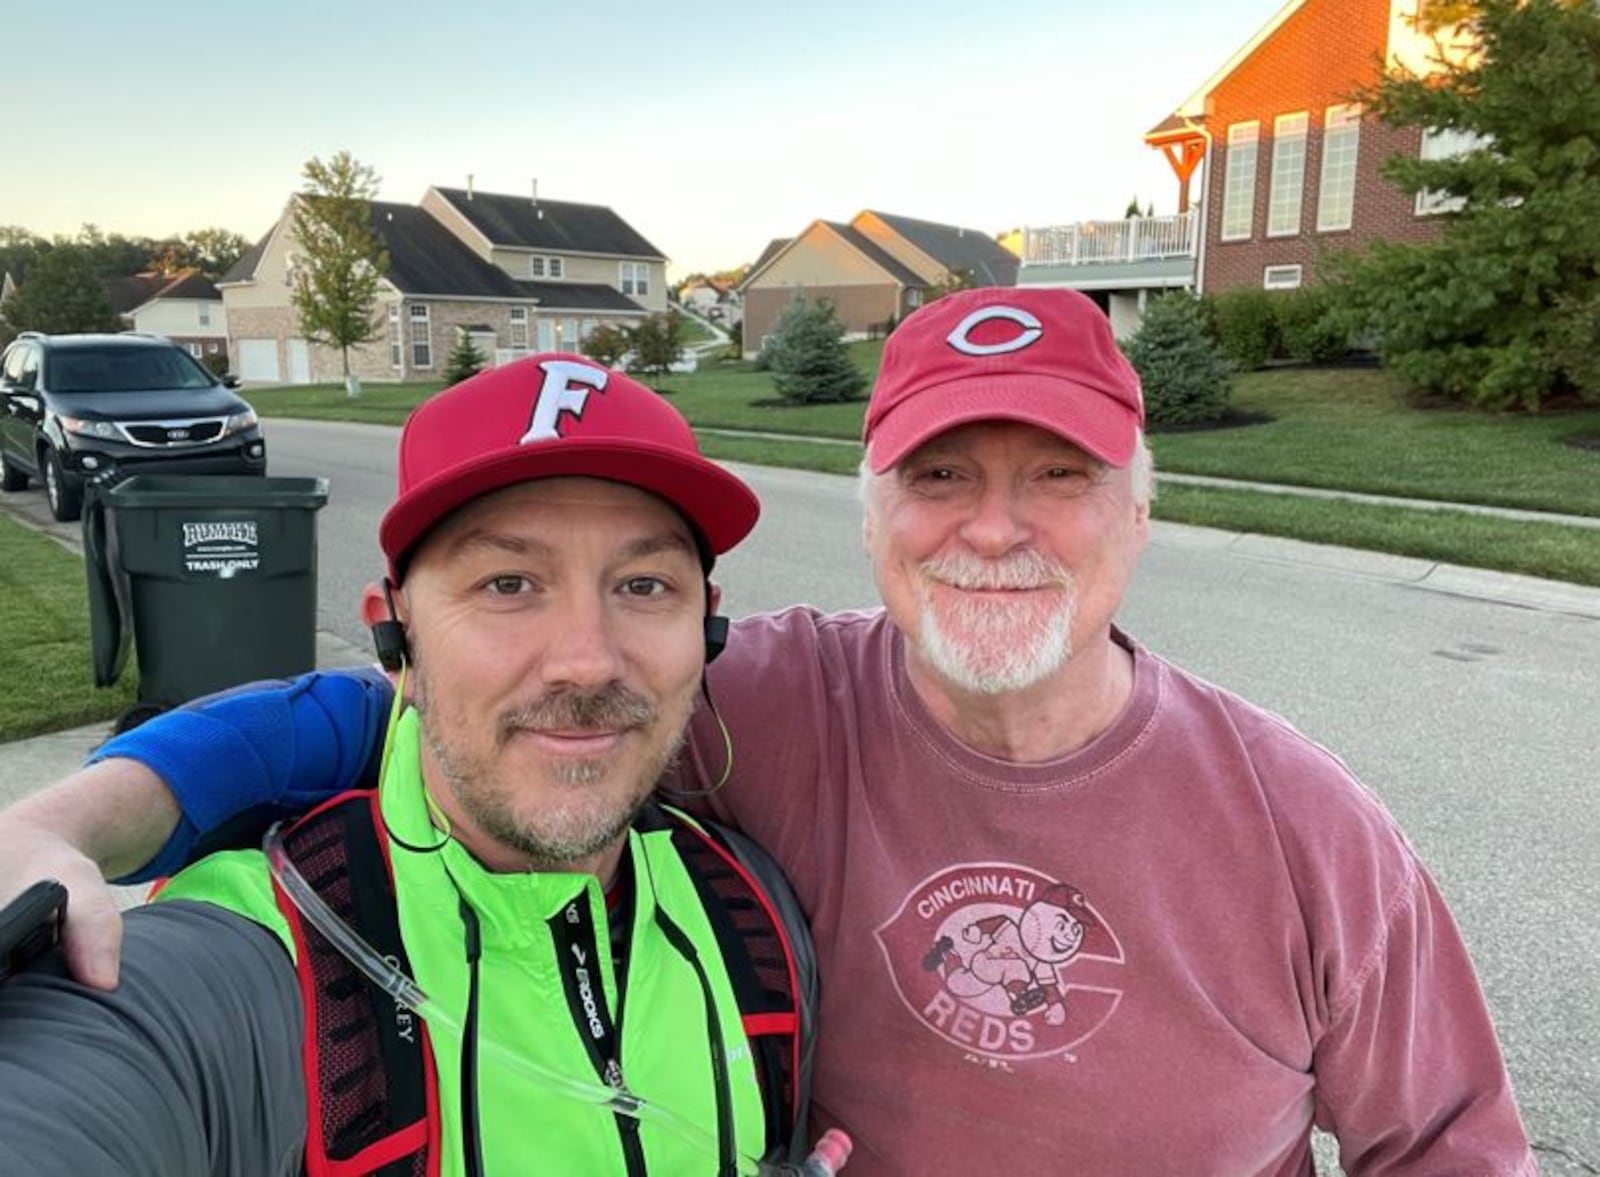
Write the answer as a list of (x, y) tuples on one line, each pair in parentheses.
[(1088, 243)]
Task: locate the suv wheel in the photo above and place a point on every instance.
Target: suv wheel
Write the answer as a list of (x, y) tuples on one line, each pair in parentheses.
[(64, 495), (10, 477)]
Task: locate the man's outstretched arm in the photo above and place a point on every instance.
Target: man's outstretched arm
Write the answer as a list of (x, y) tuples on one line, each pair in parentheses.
[(150, 798)]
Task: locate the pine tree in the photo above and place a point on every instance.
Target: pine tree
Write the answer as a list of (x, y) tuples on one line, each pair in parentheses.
[(339, 259), (807, 355), (1504, 310), (465, 360), (1181, 366)]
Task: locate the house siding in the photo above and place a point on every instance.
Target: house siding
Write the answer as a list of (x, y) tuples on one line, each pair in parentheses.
[(862, 309), (897, 247), (1318, 58)]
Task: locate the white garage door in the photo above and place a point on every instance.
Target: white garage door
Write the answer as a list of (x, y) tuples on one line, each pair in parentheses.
[(299, 362), (258, 360)]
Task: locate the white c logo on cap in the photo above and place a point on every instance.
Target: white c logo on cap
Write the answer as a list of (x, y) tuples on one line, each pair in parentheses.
[(1031, 330), (558, 395)]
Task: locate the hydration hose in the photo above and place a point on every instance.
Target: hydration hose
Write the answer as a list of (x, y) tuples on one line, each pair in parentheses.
[(825, 1160)]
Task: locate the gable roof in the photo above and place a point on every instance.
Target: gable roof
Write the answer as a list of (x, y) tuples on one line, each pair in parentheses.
[(518, 222), (580, 296), (955, 248), (773, 248), (881, 257), (244, 270), (1193, 108), (190, 284), (127, 291), (426, 258)]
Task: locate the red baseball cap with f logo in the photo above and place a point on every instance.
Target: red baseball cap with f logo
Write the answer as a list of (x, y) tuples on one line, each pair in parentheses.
[(550, 416), (1041, 356)]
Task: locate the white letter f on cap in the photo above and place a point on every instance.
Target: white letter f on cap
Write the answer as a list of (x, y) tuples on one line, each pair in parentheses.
[(558, 395)]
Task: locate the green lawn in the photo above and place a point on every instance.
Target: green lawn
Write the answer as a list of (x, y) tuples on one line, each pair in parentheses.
[(1352, 429), (46, 676)]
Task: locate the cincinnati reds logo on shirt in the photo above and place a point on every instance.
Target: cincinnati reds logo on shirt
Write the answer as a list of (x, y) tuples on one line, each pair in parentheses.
[(1003, 961), (563, 391), (961, 337)]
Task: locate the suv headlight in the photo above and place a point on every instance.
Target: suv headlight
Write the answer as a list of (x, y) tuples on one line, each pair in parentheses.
[(239, 422), (106, 430)]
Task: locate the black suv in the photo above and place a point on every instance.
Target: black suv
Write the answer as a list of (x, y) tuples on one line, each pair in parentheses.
[(101, 406)]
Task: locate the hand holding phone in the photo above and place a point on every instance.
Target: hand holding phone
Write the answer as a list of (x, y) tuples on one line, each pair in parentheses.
[(30, 926)]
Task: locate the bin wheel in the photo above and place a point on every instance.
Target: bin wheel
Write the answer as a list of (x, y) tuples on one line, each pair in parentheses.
[(135, 715), (10, 477), (64, 495)]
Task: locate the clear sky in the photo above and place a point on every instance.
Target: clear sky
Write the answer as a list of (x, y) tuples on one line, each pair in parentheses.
[(710, 127)]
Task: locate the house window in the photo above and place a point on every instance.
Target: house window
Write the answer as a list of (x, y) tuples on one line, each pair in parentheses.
[(1341, 143), (1239, 188), (913, 297), (394, 335), (585, 329), (205, 315), (421, 337), (636, 279), (1445, 143), (1281, 277), (196, 350), (557, 268), (1288, 175), (546, 267), (519, 328)]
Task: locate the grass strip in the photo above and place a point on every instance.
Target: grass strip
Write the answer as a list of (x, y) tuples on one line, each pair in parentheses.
[(46, 675), (1554, 551)]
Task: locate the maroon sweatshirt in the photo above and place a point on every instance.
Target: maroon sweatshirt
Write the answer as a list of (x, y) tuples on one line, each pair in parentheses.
[(1173, 951)]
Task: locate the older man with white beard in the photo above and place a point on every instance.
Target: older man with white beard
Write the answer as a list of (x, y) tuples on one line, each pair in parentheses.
[(952, 781)]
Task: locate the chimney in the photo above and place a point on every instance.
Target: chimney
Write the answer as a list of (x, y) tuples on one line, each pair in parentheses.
[(469, 185)]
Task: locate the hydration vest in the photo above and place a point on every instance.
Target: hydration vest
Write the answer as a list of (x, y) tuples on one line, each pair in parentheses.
[(371, 1090)]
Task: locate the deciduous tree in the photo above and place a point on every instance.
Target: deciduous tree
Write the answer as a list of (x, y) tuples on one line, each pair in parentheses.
[(339, 258), (62, 293)]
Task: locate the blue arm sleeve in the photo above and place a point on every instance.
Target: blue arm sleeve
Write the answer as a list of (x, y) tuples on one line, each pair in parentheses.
[(266, 746)]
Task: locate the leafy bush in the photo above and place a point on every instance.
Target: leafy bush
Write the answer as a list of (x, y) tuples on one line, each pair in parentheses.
[(465, 359), (1245, 326), (605, 345), (1575, 338), (1181, 365), (656, 343), (807, 356), (1309, 325), (216, 363)]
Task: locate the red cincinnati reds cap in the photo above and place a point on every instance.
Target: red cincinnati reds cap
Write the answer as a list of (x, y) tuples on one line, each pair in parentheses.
[(550, 416), (1040, 356)]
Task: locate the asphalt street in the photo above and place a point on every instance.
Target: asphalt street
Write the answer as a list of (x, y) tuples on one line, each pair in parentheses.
[(1467, 701)]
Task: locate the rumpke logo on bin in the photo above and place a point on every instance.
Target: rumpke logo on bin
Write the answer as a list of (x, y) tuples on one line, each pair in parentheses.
[(221, 548)]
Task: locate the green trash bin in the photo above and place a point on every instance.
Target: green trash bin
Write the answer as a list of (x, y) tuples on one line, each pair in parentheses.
[(213, 576)]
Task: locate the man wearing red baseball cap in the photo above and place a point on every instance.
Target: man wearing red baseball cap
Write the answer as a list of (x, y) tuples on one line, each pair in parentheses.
[(548, 616), (1077, 910)]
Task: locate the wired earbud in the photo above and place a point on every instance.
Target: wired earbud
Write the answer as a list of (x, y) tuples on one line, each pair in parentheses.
[(390, 636), (716, 636)]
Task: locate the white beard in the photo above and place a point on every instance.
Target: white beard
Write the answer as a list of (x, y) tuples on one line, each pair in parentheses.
[(987, 647)]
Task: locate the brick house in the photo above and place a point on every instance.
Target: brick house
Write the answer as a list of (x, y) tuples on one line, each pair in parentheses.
[(1292, 164), (1286, 163), (874, 269), (516, 274)]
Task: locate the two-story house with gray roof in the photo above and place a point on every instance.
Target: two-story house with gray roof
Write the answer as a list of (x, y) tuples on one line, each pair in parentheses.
[(517, 274), (875, 270)]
